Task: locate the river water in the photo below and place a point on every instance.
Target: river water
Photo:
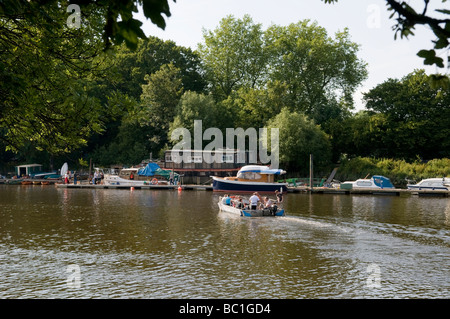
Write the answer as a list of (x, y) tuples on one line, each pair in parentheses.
[(105, 243)]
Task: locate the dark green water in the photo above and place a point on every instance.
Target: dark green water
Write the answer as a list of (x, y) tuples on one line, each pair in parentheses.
[(82, 243)]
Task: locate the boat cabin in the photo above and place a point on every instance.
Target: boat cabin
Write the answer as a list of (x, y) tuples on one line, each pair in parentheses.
[(256, 173), (28, 170)]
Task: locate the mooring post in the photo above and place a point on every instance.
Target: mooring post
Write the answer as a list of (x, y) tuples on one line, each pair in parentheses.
[(311, 172)]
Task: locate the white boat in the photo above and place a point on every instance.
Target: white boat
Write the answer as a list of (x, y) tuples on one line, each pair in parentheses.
[(152, 174), (246, 212), (431, 184), (119, 181), (377, 181)]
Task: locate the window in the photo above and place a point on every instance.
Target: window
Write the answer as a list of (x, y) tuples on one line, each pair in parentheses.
[(249, 175), (197, 159), (227, 158)]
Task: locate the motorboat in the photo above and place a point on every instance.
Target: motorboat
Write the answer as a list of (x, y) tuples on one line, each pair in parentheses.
[(251, 178), (377, 182), (152, 174), (245, 211), (431, 184)]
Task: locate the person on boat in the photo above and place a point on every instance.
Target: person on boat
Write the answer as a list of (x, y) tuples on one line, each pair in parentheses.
[(66, 178), (254, 199), (267, 202), (240, 203), (131, 176), (226, 200), (279, 197)]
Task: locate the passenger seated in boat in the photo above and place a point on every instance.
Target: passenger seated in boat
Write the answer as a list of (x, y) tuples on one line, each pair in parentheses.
[(226, 200), (267, 202), (254, 199), (239, 203)]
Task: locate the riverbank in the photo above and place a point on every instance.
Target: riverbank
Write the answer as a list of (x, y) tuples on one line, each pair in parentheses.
[(301, 189), (398, 171)]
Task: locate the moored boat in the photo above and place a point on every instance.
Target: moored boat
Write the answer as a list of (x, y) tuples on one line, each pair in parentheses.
[(251, 178), (152, 174), (377, 181), (431, 184), (247, 212)]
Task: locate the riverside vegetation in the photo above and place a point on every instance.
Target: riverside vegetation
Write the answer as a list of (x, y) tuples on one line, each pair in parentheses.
[(81, 102)]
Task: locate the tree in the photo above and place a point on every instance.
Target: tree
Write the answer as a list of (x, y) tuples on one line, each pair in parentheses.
[(314, 66), (416, 116), (196, 106), (47, 73), (117, 16), (234, 55), (132, 65), (298, 138), (159, 100), (298, 66)]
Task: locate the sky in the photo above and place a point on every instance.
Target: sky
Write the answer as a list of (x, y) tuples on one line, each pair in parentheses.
[(367, 20)]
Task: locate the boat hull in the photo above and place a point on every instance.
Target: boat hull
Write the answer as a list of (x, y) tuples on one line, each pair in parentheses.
[(431, 184), (249, 212), (116, 180), (419, 188), (223, 185)]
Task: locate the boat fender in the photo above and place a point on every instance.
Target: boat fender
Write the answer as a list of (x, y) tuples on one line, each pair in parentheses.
[(154, 181)]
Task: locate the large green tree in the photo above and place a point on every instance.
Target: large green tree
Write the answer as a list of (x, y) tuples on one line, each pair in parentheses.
[(47, 72), (416, 116), (158, 103), (309, 70), (299, 137), (131, 66), (314, 66), (234, 55)]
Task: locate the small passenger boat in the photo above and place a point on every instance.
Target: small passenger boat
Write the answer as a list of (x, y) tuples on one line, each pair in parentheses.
[(246, 212), (251, 178), (431, 184)]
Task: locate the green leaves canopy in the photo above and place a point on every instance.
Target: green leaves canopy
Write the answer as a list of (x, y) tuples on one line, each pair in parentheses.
[(47, 72)]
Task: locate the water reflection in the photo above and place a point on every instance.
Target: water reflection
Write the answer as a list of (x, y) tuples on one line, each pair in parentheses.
[(165, 244)]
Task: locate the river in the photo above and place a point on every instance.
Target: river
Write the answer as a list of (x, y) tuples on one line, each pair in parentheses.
[(106, 243)]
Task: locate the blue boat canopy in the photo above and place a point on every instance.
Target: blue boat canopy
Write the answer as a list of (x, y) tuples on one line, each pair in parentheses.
[(261, 170), (149, 170), (382, 181), (153, 169)]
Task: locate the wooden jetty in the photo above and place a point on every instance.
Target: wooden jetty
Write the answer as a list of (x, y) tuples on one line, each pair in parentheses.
[(299, 189), (150, 186), (370, 191)]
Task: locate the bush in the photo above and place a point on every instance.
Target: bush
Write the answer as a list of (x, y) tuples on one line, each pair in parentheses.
[(399, 171)]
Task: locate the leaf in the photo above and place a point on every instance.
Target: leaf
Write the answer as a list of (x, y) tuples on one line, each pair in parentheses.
[(445, 11), (431, 58), (441, 43), (153, 9)]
